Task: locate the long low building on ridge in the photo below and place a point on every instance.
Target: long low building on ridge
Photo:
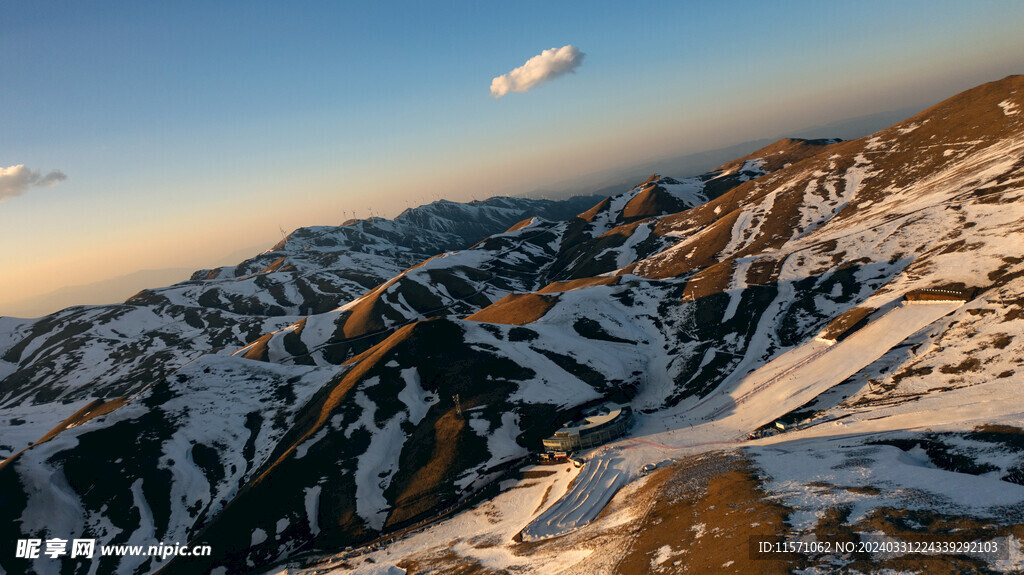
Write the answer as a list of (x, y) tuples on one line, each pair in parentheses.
[(606, 423)]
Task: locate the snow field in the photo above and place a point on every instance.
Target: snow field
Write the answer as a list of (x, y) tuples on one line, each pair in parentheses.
[(782, 385), (484, 533), (598, 482)]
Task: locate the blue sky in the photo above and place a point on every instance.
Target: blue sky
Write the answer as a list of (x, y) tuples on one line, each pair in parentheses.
[(189, 130)]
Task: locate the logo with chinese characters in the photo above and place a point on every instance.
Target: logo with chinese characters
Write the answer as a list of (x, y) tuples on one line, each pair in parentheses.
[(56, 547)]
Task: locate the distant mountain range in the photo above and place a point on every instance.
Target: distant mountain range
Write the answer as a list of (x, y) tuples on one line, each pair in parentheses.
[(94, 293), (356, 380), (612, 181)]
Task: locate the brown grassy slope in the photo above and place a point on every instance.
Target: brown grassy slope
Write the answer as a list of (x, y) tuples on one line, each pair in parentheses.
[(844, 323), (709, 281), (709, 227), (700, 249), (93, 409), (559, 287), (258, 349), (777, 154), (707, 509), (967, 122), (368, 315), (439, 448), (316, 414), (516, 309), (273, 267), (419, 493), (652, 200), (518, 226), (602, 206)]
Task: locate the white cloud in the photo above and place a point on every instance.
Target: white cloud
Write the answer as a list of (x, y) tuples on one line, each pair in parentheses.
[(17, 180), (546, 66)]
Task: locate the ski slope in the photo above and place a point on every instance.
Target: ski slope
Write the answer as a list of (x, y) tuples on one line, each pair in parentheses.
[(728, 416), (593, 489), (802, 376)]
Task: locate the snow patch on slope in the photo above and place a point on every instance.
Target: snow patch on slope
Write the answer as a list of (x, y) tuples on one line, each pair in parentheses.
[(376, 468)]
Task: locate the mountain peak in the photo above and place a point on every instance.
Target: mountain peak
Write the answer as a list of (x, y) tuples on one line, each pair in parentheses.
[(844, 318)]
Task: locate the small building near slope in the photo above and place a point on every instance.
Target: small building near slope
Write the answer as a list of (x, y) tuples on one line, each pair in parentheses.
[(941, 293)]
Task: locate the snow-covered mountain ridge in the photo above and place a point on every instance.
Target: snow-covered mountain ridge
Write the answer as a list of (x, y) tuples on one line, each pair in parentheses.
[(108, 351), (67, 372), (771, 288), (769, 271)]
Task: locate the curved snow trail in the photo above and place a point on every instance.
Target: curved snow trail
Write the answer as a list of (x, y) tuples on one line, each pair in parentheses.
[(593, 489)]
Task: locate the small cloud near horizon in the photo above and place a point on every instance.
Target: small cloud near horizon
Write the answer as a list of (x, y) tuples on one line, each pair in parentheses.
[(544, 67), (16, 180)]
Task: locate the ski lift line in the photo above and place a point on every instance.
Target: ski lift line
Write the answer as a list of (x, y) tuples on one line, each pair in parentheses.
[(760, 387), (712, 395)]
